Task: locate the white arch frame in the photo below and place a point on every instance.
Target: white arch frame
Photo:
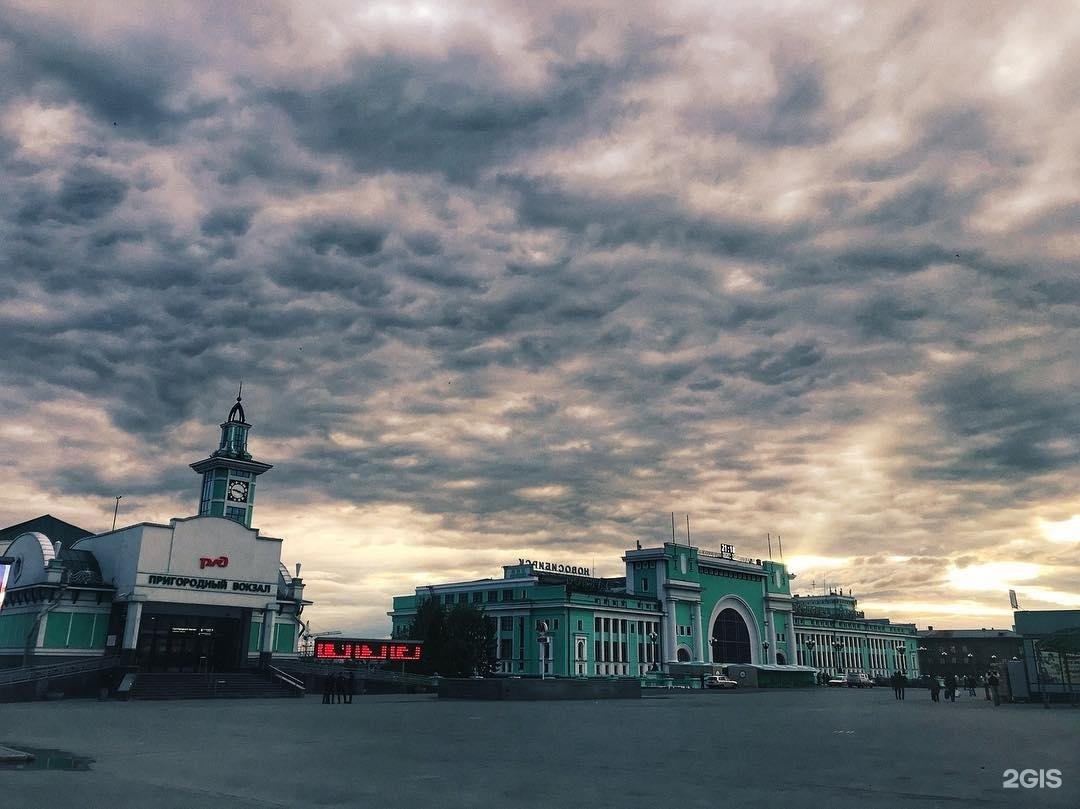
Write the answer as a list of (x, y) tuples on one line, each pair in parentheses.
[(731, 602), (689, 653)]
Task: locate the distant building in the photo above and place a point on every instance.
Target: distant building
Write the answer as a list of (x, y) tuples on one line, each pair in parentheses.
[(966, 651), (835, 637), (200, 593), (677, 608), (1050, 673)]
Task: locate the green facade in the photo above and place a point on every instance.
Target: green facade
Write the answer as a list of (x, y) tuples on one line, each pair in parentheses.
[(75, 630), (660, 614)]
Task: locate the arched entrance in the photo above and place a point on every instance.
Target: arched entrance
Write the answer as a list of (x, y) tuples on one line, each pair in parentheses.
[(780, 659), (731, 638), (683, 654)]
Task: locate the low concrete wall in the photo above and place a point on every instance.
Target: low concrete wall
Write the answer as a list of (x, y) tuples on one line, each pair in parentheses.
[(531, 689)]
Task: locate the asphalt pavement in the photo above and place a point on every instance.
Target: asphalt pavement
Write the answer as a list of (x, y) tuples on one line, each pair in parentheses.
[(834, 748)]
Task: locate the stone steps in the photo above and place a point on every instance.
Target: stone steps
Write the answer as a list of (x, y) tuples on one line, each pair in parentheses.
[(230, 685)]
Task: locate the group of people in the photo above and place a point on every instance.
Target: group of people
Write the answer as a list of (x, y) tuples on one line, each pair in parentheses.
[(990, 682), (338, 688)]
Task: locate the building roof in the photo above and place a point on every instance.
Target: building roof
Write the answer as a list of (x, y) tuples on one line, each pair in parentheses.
[(943, 634), (55, 529)]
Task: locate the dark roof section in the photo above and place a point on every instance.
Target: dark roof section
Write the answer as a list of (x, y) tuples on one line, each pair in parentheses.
[(82, 566), (941, 634), (50, 526)]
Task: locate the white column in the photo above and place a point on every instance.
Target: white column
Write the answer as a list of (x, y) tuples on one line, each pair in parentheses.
[(699, 636), (266, 641), (669, 635), (131, 624)]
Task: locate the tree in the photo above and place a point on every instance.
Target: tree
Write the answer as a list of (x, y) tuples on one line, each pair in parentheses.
[(457, 642)]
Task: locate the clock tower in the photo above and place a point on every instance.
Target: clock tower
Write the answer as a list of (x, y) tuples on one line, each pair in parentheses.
[(228, 475)]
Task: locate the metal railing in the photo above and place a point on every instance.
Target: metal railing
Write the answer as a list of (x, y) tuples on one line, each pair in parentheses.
[(28, 674), (287, 679), (315, 667)]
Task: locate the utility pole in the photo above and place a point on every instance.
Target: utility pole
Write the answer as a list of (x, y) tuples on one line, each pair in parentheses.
[(115, 510)]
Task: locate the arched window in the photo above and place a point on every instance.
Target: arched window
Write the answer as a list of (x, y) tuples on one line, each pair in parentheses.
[(730, 638)]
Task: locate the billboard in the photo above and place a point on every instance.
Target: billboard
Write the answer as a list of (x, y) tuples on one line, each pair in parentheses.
[(5, 570), (366, 649)]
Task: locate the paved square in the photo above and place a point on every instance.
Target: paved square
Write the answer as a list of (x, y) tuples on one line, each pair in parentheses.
[(822, 748)]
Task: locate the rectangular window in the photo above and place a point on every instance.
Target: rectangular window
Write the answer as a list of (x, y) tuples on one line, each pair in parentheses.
[(506, 649), (476, 597), (506, 624), (622, 626), (597, 649), (644, 585), (579, 626), (597, 624), (235, 514), (491, 595), (507, 595)]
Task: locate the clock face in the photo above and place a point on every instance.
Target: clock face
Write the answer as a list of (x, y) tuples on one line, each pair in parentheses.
[(238, 491)]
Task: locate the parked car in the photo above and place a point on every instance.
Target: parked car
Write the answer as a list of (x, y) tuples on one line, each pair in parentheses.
[(858, 679), (837, 682), (719, 681)]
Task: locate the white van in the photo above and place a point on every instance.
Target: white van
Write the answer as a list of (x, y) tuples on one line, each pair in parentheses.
[(859, 679)]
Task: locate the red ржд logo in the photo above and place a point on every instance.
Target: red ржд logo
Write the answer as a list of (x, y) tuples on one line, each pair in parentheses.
[(206, 561)]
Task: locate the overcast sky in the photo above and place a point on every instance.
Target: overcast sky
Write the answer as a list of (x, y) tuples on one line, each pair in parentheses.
[(515, 279)]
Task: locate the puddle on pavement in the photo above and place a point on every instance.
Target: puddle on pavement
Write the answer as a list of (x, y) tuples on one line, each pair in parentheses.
[(47, 759)]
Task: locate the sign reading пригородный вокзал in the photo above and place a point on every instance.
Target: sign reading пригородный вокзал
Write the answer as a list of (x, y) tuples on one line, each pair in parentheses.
[(201, 583)]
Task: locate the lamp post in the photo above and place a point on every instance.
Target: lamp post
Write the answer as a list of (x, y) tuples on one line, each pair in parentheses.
[(652, 640), (765, 650), (901, 658), (838, 644), (921, 652)]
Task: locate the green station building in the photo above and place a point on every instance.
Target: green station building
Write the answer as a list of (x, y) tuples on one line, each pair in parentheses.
[(201, 593), (678, 609), (835, 637)]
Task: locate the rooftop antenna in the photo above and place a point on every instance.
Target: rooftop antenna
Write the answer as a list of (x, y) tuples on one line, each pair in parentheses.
[(116, 508), (769, 537), (673, 528), (781, 544), (688, 530)]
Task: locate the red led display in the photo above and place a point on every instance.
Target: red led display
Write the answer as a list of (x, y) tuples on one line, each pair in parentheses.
[(398, 651)]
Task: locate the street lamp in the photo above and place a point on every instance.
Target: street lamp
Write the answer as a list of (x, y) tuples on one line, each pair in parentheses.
[(901, 657), (838, 644), (652, 640), (765, 650)]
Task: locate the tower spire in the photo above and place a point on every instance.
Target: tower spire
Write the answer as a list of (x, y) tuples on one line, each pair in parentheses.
[(228, 486)]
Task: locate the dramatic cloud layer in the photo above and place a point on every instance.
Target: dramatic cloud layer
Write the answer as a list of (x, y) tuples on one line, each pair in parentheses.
[(512, 280)]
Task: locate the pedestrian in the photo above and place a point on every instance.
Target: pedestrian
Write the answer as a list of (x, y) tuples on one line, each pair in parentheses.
[(950, 687), (985, 679), (935, 689), (339, 688), (994, 682), (894, 681), (327, 688), (970, 682), (350, 685), (901, 681)]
